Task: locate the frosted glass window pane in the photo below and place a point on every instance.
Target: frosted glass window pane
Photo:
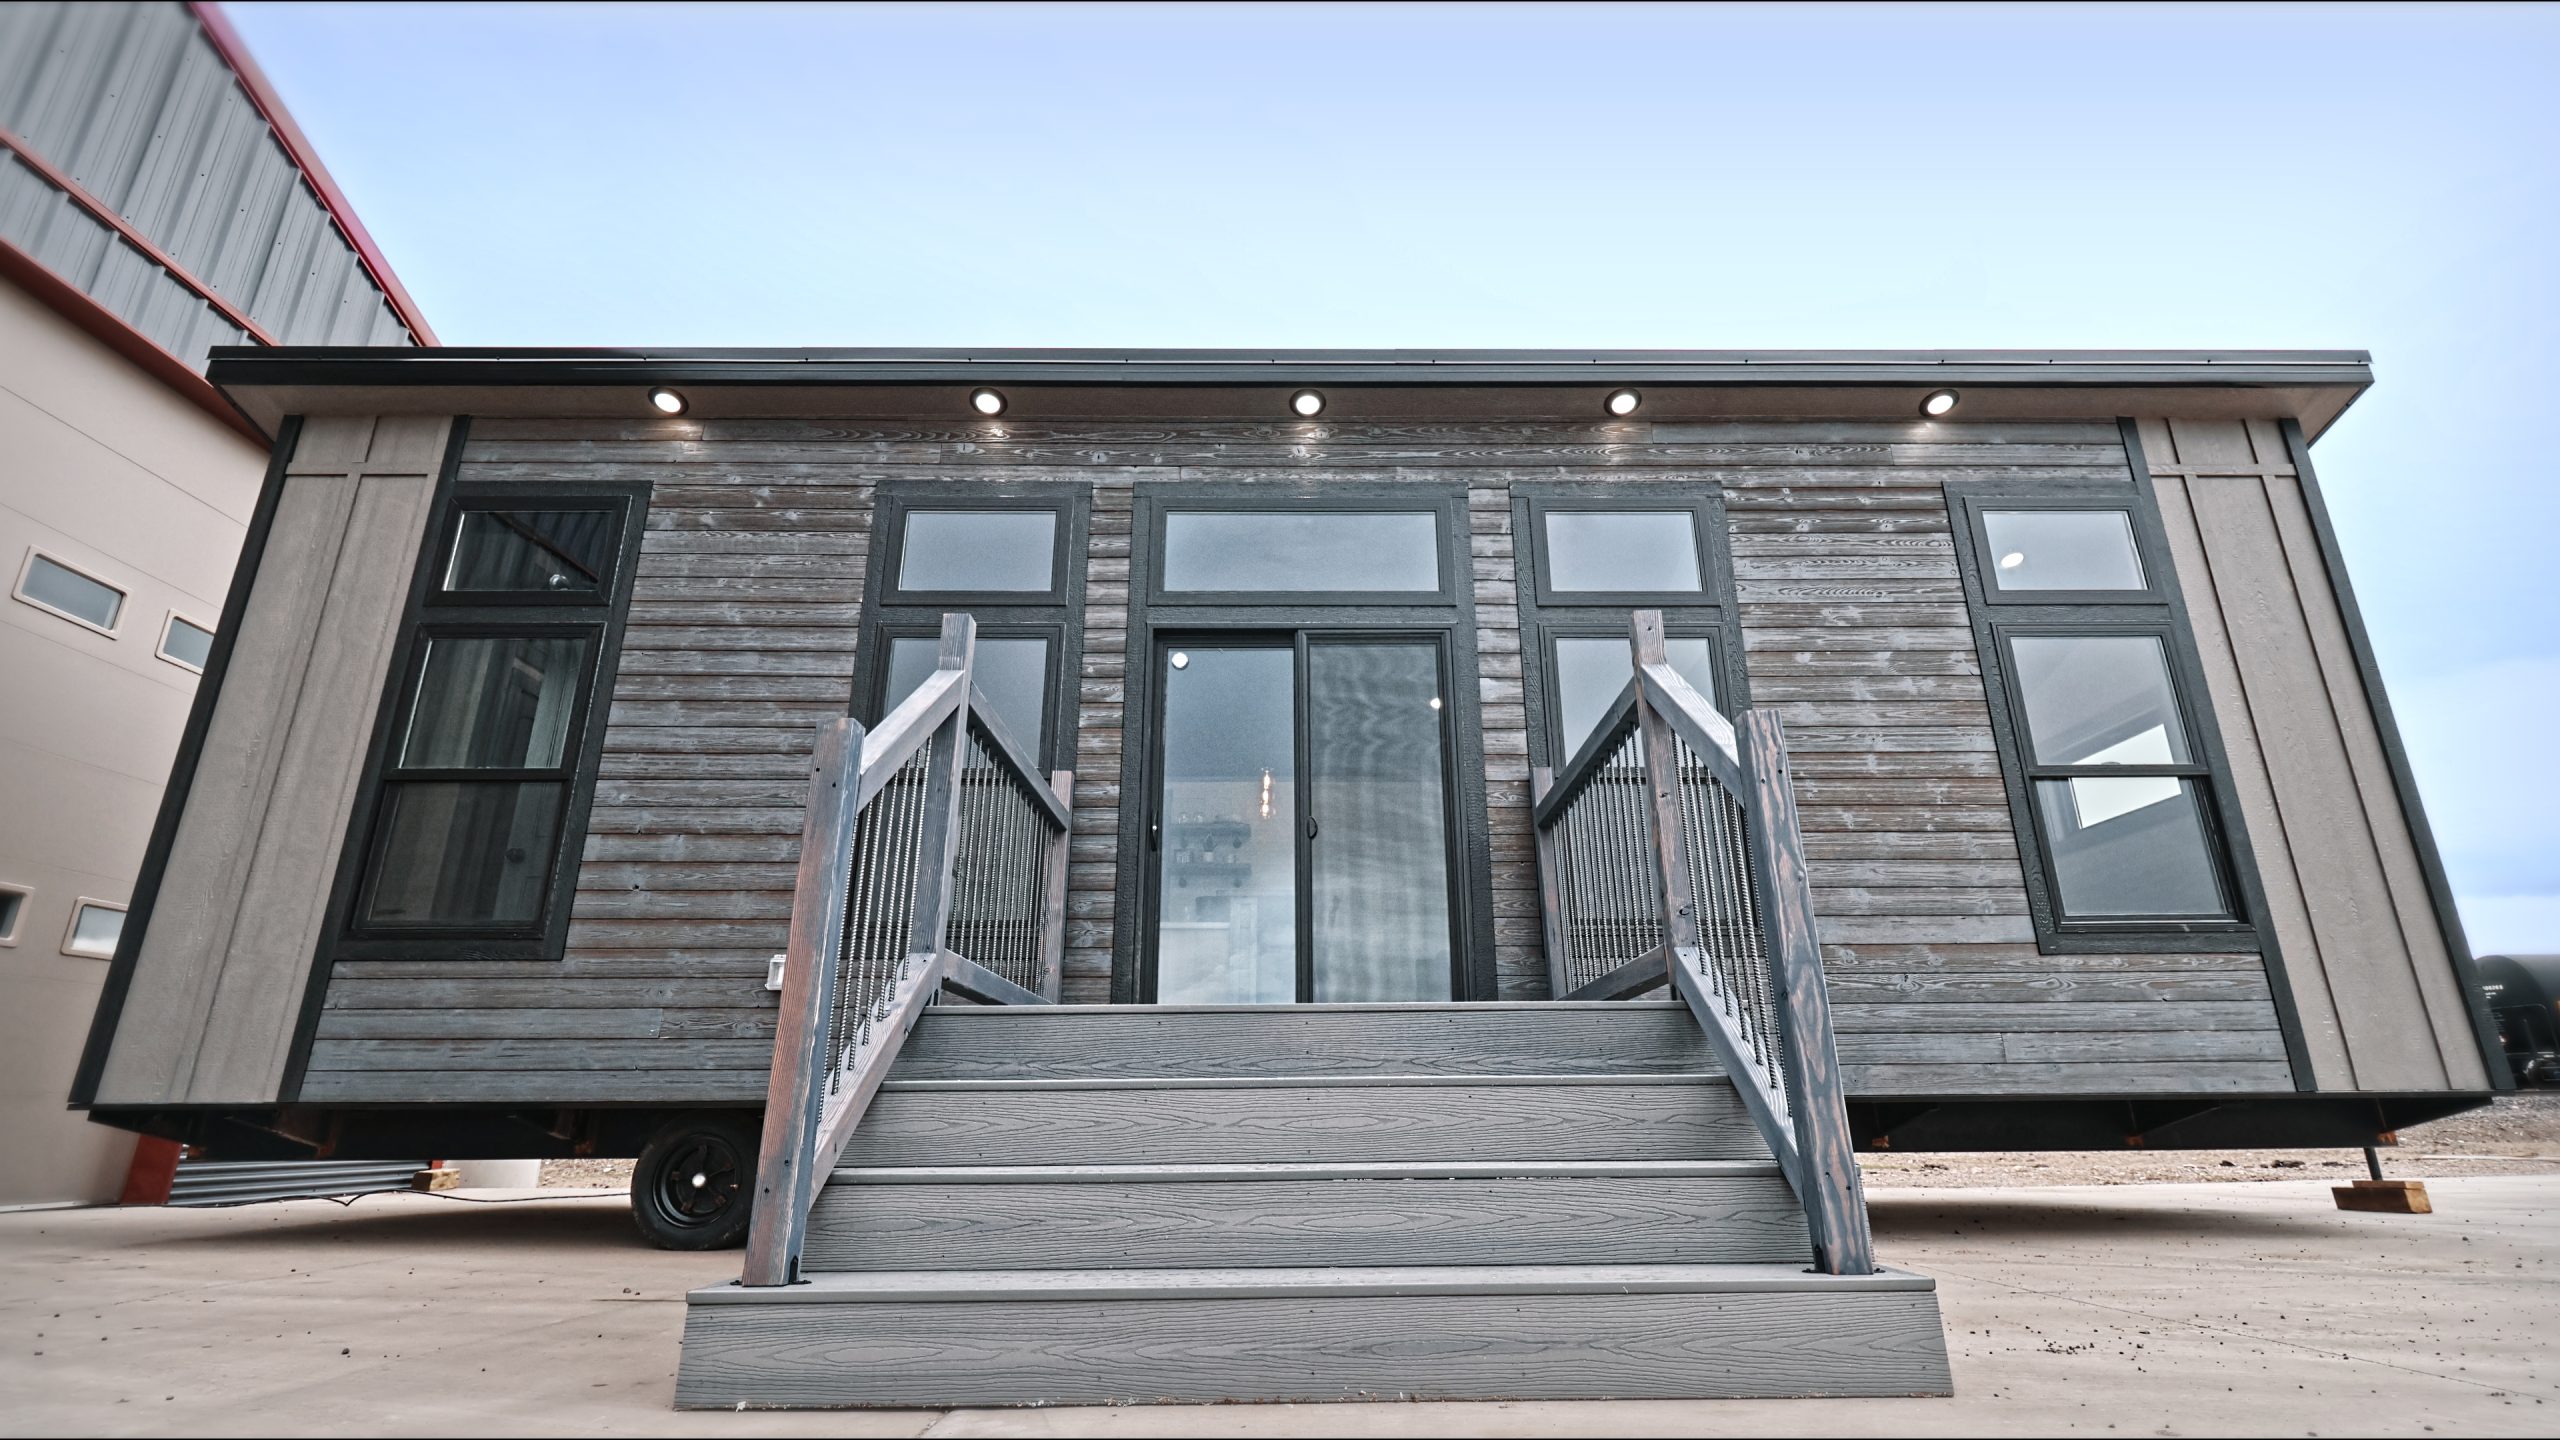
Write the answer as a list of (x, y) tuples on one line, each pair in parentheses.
[(1012, 670), (51, 583), (187, 642), (95, 931), (1219, 550), (2063, 550), (1623, 550), (494, 703), (2099, 700), (1000, 550)]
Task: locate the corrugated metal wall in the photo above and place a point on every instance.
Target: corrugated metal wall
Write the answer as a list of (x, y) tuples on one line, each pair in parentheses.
[(136, 106)]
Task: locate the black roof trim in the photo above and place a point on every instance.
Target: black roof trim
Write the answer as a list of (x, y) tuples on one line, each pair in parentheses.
[(450, 365)]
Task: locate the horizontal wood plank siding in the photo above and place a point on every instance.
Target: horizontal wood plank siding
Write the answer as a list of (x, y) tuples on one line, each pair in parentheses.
[(742, 638)]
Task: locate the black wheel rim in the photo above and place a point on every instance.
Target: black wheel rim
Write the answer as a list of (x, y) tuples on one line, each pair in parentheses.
[(699, 1181)]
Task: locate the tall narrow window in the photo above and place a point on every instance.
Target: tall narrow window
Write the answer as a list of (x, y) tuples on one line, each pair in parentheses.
[(1012, 556), (2120, 816), (1588, 556), (473, 808)]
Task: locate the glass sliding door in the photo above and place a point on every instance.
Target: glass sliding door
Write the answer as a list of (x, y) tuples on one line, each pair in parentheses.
[(1225, 831), (1301, 831), (1379, 830)]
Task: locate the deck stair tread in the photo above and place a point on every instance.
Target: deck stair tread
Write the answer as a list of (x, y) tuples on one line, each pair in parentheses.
[(1108, 1204), (853, 1287)]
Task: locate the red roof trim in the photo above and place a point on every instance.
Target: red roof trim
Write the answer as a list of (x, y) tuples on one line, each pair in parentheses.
[(73, 304), (235, 53), (105, 214)]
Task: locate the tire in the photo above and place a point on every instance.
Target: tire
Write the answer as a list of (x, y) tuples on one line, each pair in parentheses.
[(695, 1183)]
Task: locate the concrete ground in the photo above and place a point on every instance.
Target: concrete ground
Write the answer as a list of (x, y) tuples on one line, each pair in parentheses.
[(2156, 1309)]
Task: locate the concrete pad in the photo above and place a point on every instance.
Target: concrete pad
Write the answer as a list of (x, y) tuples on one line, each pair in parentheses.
[(2156, 1310)]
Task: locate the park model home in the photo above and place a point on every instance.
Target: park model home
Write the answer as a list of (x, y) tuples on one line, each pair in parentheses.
[(1504, 829)]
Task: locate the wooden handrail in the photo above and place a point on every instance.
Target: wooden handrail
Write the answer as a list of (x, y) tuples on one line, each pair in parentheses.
[(1717, 801), (815, 1098)]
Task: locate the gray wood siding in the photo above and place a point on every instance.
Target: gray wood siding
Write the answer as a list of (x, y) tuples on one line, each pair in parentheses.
[(1855, 631), (742, 639), (2381, 1008), (219, 981)]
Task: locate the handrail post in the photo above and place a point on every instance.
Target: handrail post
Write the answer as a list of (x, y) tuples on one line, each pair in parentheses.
[(1053, 910), (938, 844), (1834, 1199), (1662, 795), (1552, 927), (795, 1091)]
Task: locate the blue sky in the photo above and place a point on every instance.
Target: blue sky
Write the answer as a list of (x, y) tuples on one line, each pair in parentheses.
[(1926, 176)]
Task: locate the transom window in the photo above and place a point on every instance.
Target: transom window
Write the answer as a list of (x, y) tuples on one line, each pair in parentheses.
[(1589, 554), (2120, 815), (1302, 552), (473, 811), (1010, 555)]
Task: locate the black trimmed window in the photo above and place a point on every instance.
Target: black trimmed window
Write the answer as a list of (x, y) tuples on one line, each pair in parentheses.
[(487, 750), (1012, 555), (1589, 554), (2099, 714)]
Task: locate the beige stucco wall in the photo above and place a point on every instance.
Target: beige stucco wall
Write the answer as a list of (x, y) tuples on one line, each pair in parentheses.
[(109, 470)]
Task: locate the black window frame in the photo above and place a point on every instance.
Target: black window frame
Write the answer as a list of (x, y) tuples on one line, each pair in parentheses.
[(436, 614), (2154, 612), (1711, 612), (1449, 529), (1056, 614), (2149, 547)]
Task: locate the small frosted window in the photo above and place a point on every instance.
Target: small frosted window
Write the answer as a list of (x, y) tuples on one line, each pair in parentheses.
[(59, 588), (187, 643), (978, 550), (95, 929)]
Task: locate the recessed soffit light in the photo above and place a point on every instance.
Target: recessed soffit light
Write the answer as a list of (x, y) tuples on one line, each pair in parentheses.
[(1939, 402), (987, 401), (666, 401), (1624, 402), (1307, 403)]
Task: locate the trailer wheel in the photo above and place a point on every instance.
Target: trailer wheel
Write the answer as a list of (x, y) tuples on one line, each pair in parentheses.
[(695, 1183)]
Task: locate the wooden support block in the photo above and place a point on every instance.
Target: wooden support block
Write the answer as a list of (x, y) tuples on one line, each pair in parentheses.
[(2385, 1197), (443, 1177)]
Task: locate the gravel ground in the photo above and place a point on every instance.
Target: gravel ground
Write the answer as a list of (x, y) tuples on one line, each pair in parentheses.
[(2519, 1135)]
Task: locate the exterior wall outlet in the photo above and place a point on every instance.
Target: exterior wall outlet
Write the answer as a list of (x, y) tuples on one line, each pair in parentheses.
[(773, 972)]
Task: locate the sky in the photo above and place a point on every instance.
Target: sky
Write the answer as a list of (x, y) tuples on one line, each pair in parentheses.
[(1927, 177)]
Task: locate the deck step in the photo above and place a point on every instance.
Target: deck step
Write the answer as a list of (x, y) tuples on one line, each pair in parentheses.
[(1173, 1216), (1412, 1119), (1031, 1337), (1234, 1041)]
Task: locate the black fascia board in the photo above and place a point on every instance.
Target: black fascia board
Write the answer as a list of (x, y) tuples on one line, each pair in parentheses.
[(449, 365)]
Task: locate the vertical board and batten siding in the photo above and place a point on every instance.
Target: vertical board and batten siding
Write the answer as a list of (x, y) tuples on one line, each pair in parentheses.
[(2380, 1003), (742, 638), (217, 985)]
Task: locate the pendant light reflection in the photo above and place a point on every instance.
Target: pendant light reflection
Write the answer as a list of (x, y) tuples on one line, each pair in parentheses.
[(1266, 794)]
